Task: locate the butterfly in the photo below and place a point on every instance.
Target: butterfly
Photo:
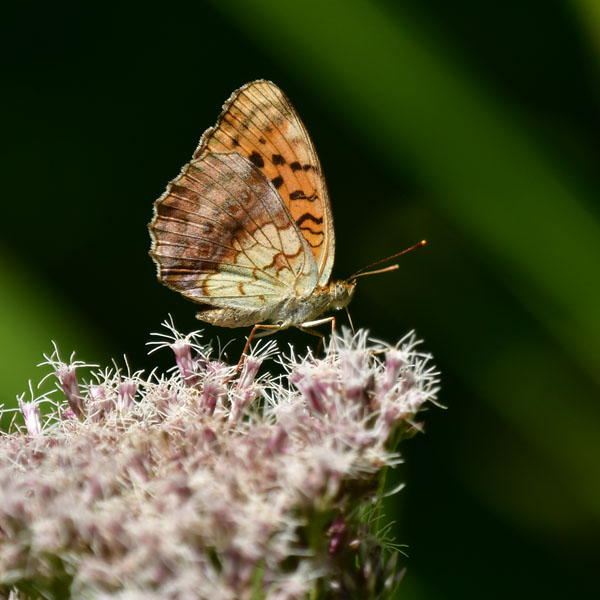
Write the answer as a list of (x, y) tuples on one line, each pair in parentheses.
[(246, 228)]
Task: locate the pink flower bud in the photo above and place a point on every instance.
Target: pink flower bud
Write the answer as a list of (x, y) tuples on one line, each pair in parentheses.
[(185, 362), (127, 391), (69, 385), (31, 414), (212, 393)]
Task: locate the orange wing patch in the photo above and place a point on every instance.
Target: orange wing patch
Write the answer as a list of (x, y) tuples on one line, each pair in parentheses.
[(260, 123)]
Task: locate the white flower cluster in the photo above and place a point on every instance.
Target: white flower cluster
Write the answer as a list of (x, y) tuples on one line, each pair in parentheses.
[(206, 482)]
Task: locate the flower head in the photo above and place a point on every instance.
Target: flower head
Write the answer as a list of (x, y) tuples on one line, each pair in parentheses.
[(206, 482)]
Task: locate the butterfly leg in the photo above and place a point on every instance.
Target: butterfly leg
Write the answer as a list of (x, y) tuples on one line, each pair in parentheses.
[(308, 328), (316, 333), (268, 329)]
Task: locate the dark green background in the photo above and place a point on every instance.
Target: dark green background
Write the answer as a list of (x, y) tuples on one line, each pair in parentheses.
[(472, 124)]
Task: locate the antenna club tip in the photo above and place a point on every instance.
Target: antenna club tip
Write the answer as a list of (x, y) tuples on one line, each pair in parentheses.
[(422, 242)]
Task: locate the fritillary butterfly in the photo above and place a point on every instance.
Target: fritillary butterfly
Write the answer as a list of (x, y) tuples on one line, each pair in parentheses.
[(246, 228)]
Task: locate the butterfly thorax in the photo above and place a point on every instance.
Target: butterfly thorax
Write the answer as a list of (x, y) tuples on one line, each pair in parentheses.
[(296, 310)]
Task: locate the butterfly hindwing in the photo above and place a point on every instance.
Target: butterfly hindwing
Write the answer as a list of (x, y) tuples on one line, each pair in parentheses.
[(223, 236)]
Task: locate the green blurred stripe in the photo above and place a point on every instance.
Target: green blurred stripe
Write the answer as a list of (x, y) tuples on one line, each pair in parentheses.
[(32, 315), (589, 14), (415, 104)]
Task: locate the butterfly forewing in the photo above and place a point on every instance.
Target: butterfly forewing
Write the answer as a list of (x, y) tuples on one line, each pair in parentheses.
[(260, 123)]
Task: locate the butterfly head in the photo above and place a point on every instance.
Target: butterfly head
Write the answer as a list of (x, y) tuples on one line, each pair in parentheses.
[(341, 293)]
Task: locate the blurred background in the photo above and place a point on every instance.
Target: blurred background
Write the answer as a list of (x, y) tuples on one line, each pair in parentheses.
[(473, 125)]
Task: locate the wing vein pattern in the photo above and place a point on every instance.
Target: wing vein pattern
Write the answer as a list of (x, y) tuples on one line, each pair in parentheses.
[(247, 223)]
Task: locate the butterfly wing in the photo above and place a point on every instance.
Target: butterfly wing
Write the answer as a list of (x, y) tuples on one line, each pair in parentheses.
[(260, 123), (223, 236)]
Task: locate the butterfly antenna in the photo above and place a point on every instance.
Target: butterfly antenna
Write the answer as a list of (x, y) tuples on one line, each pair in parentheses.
[(390, 268), (363, 271)]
